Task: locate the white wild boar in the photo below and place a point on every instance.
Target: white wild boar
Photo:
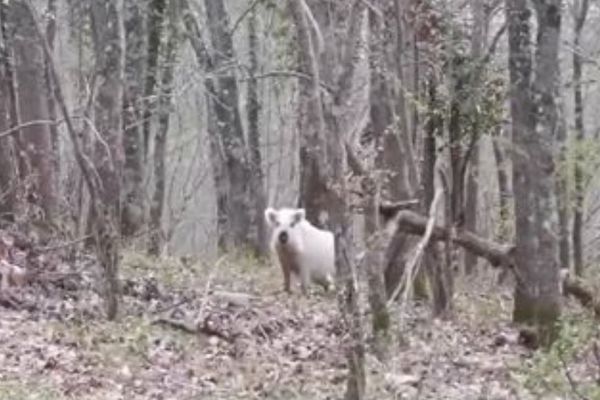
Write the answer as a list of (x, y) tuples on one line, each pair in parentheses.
[(301, 248)]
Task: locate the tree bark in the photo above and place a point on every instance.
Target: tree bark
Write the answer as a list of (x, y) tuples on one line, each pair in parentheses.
[(29, 68), (503, 193), (133, 172), (326, 157), (389, 166), (503, 188), (8, 181), (580, 11), (165, 104), (108, 38), (229, 125), (156, 16), (257, 185), (21, 167), (311, 122), (50, 38), (562, 198), (217, 157), (389, 124), (534, 123), (439, 277), (479, 38)]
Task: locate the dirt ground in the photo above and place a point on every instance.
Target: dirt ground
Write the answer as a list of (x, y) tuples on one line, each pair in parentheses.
[(226, 331)]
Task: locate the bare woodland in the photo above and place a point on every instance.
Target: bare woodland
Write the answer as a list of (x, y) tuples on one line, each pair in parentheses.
[(450, 149)]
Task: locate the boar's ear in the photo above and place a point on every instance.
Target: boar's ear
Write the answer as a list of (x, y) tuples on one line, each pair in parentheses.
[(299, 215), (270, 216)]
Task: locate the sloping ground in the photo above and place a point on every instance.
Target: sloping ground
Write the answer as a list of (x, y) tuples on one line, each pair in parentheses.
[(251, 342)]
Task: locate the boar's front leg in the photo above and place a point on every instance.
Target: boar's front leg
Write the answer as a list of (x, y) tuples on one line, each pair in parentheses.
[(304, 280), (286, 277)]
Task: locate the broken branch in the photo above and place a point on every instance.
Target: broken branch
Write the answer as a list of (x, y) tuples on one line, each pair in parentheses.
[(499, 255)]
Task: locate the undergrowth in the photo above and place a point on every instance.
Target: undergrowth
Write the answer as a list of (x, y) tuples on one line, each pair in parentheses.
[(569, 368)]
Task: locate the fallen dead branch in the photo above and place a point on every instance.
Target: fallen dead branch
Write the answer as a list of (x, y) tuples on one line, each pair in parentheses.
[(204, 328), (499, 255), (389, 209)]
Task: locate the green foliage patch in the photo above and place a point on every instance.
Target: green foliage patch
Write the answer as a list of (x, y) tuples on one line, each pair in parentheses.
[(552, 372)]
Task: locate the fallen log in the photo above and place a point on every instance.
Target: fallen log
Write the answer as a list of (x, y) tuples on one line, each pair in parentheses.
[(499, 255)]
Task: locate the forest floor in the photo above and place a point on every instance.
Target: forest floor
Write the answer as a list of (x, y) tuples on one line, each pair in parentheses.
[(226, 331)]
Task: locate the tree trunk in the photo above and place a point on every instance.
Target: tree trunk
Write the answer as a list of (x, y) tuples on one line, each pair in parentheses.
[(229, 125), (108, 37), (133, 172), (157, 237), (257, 186), (8, 180), (389, 168), (562, 199), (219, 171), (580, 17), (439, 277), (327, 170), (50, 37), (29, 68), (9, 90), (8, 176), (503, 194), (311, 123), (394, 157), (503, 189), (479, 38), (156, 16), (534, 120)]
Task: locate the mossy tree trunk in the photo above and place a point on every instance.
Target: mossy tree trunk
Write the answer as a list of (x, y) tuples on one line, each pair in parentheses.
[(580, 14), (533, 96)]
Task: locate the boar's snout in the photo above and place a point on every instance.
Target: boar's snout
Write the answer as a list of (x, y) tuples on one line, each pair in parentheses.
[(283, 237)]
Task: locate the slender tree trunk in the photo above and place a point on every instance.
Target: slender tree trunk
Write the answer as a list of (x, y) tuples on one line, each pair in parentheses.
[(327, 163), (9, 89), (156, 16), (29, 62), (133, 172), (580, 17), (229, 125), (534, 120), (479, 38), (389, 162), (160, 141), (257, 185), (503, 195), (50, 37), (503, 189), (108, 37), (8, 176), (562, 199), (439, 277), (455, 207), (312, 158), (219, 169), (8, 180), (392, 143)]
